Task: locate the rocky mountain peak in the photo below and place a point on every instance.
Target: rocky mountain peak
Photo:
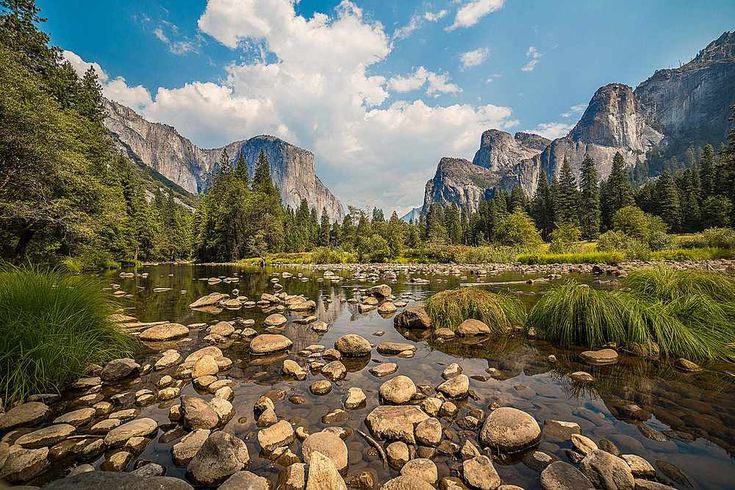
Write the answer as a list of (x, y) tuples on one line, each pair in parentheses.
[(500, 150), (530, 140), (721, 49)]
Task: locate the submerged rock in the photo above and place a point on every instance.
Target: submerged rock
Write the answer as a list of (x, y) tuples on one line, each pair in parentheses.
[(267, 343), (413, 317), (353, 345), (164, 332), (600, 357), (509, 430), (563, 476), (220, 456)]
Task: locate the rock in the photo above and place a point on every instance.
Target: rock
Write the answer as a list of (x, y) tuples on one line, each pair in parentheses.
[(456, 387), (267, 418), (452, 483), (392, 348), (387, 307), (444, 333), (267, 343), (292, 368), (421, 468), (405, 482), (607, 471), (164, 332), (480, 473), (170, 358), (641, 484), (413, 317), (334, 370), (245, 480), (198, 414), (204, 366), (382, 291), (431, 405), (82, 468), (220, 456), (320, 387), (211, 350), (185, 450), (395, 423), (223, 329), (353, 345), (22, 464), (451, 371), (561, 429), (293, 477), (149, 470), (509, 430), (355, 398), (563, 476), (639, 467), (398, 390), (323, 475), (143, 427), (209, 300), (583, 444), (327, 444), (384, 369), (600, 357), (429, 432), (26, 414), (223, 408), (362, 480), (94, 480), (472, 327), (275, 320), (48, 436), (687, 366), (582, 377), (398, 454), (117, 461), (275, 436), (120, 369)]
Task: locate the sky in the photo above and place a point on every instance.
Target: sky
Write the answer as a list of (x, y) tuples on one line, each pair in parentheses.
[(379, 90)]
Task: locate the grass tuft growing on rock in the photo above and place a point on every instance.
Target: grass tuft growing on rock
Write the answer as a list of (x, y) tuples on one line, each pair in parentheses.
[(53, 325), (501, 312)]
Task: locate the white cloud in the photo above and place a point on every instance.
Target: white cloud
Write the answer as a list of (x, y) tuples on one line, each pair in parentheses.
[(533, 56), (574, 110), (318, 94), (176, 47), (416, 21), (433, 17), (474, 57), (437, 83), (552, 130), (471, 13), (136, 97)]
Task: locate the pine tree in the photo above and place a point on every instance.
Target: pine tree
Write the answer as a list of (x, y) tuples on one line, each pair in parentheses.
[(225, 166), (667, 197), (707, 171), (241, 171), (324, 229), (617, 191), (567, 198), (90, 97), (262, 181), (589, 209), (436, 232), (542, 207), (518, 199)]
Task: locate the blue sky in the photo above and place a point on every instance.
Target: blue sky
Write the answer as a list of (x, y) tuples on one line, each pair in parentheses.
[(379, 90)]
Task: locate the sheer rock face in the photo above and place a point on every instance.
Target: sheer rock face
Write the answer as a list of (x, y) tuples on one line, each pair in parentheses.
[(163, 149), (674, 108)]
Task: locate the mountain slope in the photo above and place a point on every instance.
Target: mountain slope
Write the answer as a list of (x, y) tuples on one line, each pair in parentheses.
[(163, 149), (670, 111)]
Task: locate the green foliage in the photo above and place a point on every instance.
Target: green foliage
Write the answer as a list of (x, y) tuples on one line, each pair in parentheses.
[(666, 284), (617, 192), (711, 237), (326, 255), (53, 326), (501, 312), (517, 229), (374, 248), (565, 238), (610, 257), (589, 202), (651, 230), (617, 241), (542, 207), (698, 254), (566, 197)]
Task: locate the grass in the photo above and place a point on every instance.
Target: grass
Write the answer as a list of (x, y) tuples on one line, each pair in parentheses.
[(501, 312), (687, 313), (572, 258), (53, 325), (681, 254)]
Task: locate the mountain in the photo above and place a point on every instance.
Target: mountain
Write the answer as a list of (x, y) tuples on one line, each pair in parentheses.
[(412, 216), (161, 148), (668, 112)]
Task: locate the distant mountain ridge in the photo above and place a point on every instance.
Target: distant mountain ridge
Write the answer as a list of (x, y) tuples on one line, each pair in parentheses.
[(673, 109), (161, 148)]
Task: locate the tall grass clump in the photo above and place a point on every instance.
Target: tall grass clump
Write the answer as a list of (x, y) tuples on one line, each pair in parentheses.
[(501, 312), (666, 284), (51, 327)]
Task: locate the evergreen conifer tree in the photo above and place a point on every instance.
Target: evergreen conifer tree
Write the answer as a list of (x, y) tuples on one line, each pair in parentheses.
[(589, 209)]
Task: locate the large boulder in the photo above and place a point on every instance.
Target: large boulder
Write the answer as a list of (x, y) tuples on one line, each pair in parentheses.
[(94, 480), (245, 480), (119, 369), (398, 390), (412, 317), (164, 332), (135, 428), (198, 414), (395, 422), (220, 456), (480, 473), (353, 345), (323, 475), (22, 464), (26, 414), (48, 436), (563, 476), (509, 430), (456, 387), (327, 443), (277, 435), (267, 343), (607, 471)]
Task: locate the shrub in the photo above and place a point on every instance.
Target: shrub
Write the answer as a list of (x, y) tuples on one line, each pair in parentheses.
[(711, 238), (680, 254), (53, 326), (716, 211), (326, 255), (517, 229), (572, 258), (612, 241), (564, 239), (501, 312), (373, 249), (651, 230)]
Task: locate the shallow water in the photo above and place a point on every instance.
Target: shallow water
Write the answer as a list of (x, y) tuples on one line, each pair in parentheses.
[(692, 416)]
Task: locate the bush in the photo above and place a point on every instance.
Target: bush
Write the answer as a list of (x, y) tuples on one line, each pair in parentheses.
[(564, 239), (53, 326), (572, 258), (647, 229), (501, 312), (680, 254), (617, 241), (711, 238), (517, 229), (326, 255), (373, 249)]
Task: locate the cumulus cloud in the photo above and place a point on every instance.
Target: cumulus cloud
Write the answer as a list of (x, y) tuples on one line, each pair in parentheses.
[(436, 83), (314, 90), (533, 56), (474, 57), (552, 130), (136, 97), (470, 13)]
